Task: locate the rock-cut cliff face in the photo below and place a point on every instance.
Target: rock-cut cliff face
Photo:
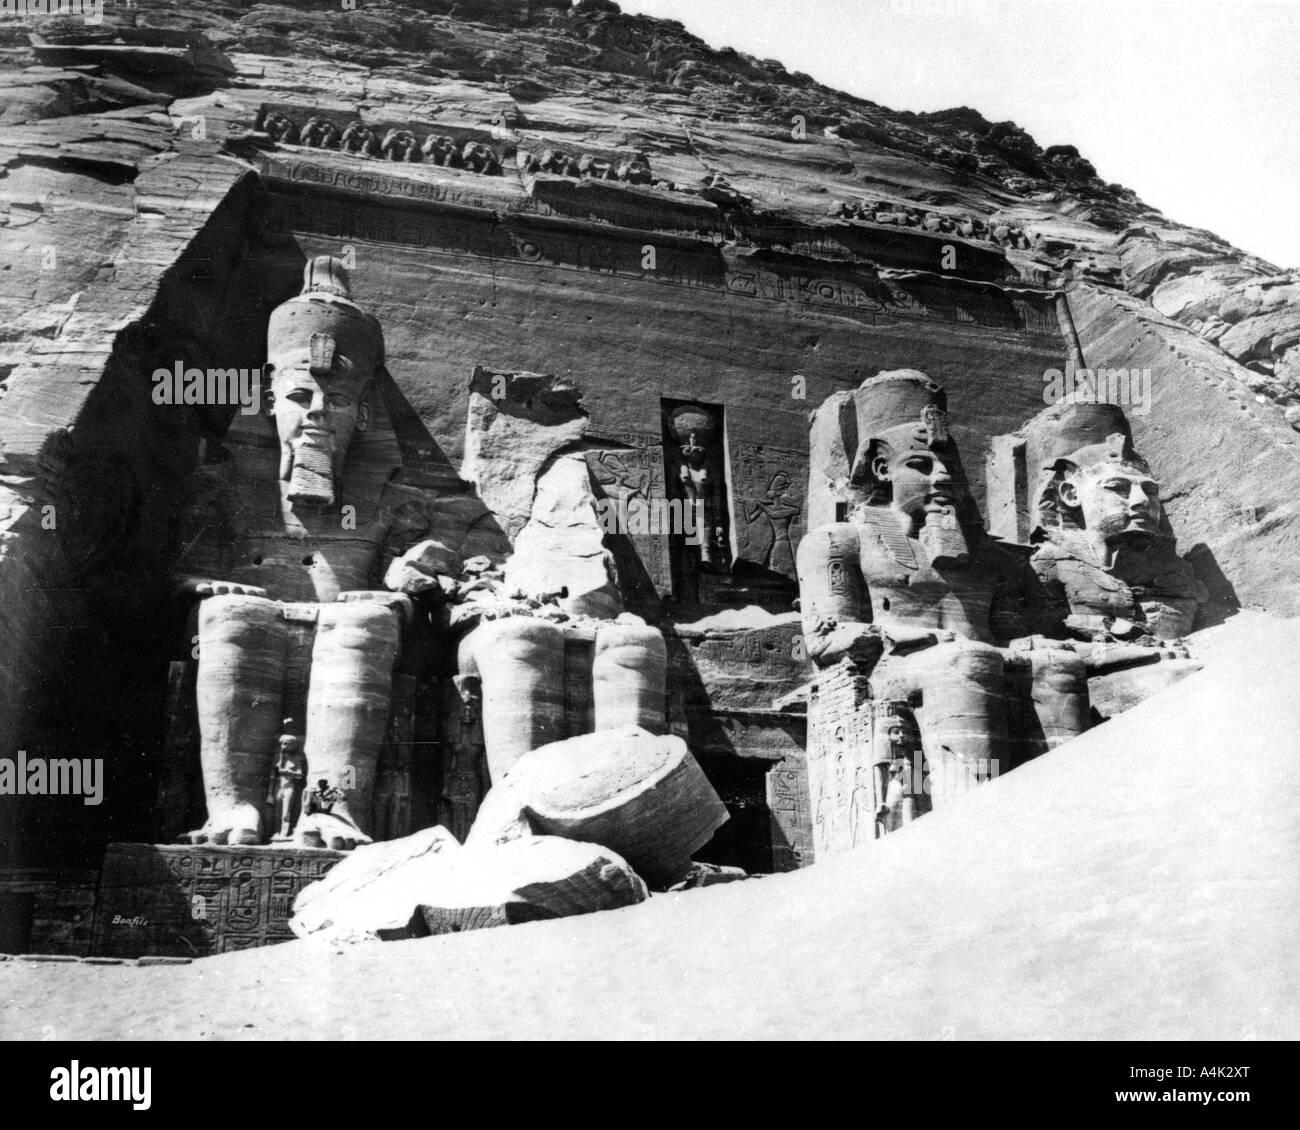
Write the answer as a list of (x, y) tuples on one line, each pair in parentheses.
[(535, 187)]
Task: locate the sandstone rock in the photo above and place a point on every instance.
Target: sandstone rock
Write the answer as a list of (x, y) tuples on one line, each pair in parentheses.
[(1113, 693), (708, 875), (525, 880), (151, 215), (517, 422), (641, 795), (426, 566), (560, 550), (373, 893)]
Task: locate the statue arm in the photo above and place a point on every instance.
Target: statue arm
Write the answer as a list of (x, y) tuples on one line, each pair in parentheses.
[(204, 538), (834, 601)]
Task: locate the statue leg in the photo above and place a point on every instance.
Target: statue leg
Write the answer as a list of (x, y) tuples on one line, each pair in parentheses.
[(962, 715), (348, 701), (628, 674), (241, 663), (520, 662)]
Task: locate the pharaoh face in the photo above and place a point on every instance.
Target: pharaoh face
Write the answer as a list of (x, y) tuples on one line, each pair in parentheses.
[(1117, 502), (316, 418), (922, 480)]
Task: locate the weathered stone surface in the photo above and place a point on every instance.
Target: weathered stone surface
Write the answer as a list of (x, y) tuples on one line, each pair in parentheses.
[(641, 795), (540, 189), (373, 892), (1234, 507), (1249, 308), (525, 880), (165, 900), (1105, 548), (964, 671), (1113, 692), (427, 883), (517, 422)]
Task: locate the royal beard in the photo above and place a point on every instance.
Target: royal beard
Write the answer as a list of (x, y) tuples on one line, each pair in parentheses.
[(943, 538), (311, 473)]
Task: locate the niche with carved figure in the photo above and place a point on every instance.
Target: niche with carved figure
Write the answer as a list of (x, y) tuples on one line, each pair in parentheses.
[(695, 479)]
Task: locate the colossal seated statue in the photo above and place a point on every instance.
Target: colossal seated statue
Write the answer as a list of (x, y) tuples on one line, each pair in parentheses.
[(297, 526), (933, 616), (1106, 553), (1105, 547), (545, 640)]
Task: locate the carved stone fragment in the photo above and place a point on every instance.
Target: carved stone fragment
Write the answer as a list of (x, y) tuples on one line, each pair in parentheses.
[(641, 795), (526, 880)]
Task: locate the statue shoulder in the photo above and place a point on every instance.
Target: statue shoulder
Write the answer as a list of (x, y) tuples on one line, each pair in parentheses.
[(831, 537)]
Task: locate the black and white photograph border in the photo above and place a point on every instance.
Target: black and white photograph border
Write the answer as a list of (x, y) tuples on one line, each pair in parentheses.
[(580, 515)]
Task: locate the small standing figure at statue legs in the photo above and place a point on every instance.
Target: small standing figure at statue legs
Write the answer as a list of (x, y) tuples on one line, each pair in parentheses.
[(291, 773)]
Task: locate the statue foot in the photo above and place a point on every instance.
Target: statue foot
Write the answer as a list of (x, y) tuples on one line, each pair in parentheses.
[(237, 826), (327, 829)]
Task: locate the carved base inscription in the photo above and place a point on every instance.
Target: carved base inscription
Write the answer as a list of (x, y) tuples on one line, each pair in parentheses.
[(182, 901)]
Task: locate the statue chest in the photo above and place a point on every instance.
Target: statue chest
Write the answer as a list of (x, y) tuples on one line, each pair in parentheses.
[(919, 595), (1090, 589), (306, 564)]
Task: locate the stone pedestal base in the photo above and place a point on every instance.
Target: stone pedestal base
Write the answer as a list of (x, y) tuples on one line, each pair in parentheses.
[(165, 900)]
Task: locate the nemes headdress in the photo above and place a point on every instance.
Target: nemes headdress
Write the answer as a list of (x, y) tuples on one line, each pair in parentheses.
[(1078, 437), (324, 331), (901, 410)]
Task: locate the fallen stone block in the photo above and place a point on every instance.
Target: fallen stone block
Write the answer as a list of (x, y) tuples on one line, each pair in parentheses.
[(639, 794), (372, 893), (710, 875), (525, 880)]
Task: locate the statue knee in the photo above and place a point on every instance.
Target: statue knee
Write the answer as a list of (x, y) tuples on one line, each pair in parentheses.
[(978, 662), (517, 639), (238, 621), (361, 624), (631, 645), (629, 673)]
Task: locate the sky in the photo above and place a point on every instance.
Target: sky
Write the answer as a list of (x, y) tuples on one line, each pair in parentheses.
[(1193, 104)]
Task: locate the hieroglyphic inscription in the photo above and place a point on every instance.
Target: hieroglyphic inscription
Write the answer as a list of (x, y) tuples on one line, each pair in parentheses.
[(579, 704), (532, 240), (840, 784), (449, 188), (573, 245), (636, 473), (768, 490), (887, 298), (182, 901), (788, 802)]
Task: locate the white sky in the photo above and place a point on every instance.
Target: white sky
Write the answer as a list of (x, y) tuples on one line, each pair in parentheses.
[(1194, 104)]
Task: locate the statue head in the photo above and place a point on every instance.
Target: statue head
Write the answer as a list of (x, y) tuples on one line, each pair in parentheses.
[(1094, 485), (290, 745), (323, 351), (693, 429), (906, 458)]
